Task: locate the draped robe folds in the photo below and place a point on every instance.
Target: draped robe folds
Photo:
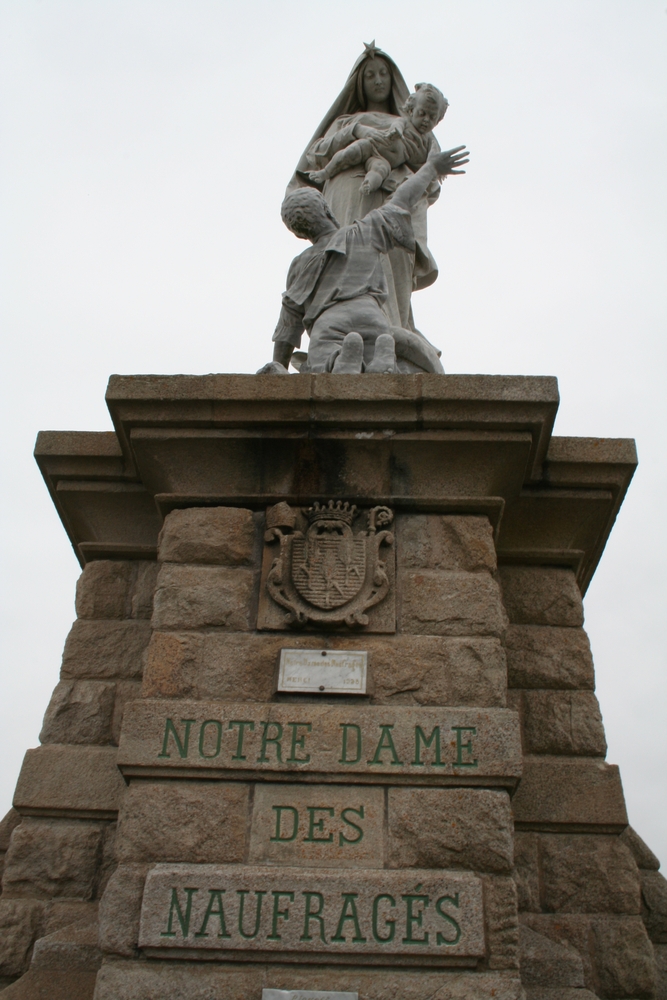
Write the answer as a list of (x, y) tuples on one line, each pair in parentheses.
[(404, 270)]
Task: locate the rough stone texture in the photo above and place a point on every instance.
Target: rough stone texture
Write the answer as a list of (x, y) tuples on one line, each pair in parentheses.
[(445, 541), (61, 913), (20, 923), (123, 980), (328, 826), (540, 656), (222, 535), (548, 963), (502, 923), (587, 874), (654, 905), (183, 821), (7, 827), (52, 984), (435, 602), (450, 828), (125, 691), (581, 791), (48, 858), (105, 649), (73, 948), (558, 993), (616, 953), (200, 596), (539, 595), (642, 854), (143, 590), (120, 910), (411, 670), (526, 871), (82, 779), (103, 589), (660, 955), (562, 722), (80, 712)]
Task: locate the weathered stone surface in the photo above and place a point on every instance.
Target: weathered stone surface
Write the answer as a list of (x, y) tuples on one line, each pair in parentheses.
[(143, 590), (120, 910), (425, 670), (502, 922), (420, 745), (450, 828), (20, 923), (540, 656), (445, 541), (526, 871), (435, 602), (578, 791), (183, 821), (51, 857), (73, 948), (103, 589), (52, 984), (562, 722), (105, 649), (222, 535), (199, 596), (654, 905), (616, 953), (660, 955), (558, 993), (541, 595), (125, 691), (328, 826), (61, 913), (79, 712), (307, 995), (7, 827), (642, 854), (69, 779), (584, 873), (124, 980), (548, 963), (442, 917)]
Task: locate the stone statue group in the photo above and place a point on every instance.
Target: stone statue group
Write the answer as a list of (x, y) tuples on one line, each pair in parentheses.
[(360, 195)]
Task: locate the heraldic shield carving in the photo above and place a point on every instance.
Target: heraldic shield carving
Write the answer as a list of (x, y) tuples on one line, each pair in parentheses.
[(330, 574)]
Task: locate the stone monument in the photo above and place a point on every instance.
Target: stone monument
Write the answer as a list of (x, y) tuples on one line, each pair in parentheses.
[(326, 723)]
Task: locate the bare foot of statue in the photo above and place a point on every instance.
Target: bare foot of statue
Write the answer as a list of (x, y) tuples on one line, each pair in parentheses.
[(384, 359), (351, 357), (371, 183), (273, 368), (317, 176)]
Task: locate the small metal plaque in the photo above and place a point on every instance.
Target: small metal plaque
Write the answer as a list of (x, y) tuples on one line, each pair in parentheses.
[(327, 671), (307, 995)]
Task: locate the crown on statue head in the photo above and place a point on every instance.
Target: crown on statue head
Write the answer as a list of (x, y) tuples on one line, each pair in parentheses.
[(332, 511)]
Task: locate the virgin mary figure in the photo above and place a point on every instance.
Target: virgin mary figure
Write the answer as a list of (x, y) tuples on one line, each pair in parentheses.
[(373, 95)]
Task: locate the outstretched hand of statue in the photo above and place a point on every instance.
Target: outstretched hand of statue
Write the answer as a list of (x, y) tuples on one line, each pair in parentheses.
[(447, 162)]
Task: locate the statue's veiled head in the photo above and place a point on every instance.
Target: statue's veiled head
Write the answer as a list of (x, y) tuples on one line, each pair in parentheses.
[(306, 213)]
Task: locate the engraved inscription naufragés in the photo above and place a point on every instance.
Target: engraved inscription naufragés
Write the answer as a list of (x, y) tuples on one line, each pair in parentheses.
[(330, 671), (351, 914), (430, 745)]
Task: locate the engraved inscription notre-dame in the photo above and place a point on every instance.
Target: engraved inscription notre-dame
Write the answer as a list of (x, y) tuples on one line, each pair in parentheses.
[(328, 565)]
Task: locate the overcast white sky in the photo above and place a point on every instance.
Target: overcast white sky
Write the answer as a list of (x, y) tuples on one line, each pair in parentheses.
[(146, 145)]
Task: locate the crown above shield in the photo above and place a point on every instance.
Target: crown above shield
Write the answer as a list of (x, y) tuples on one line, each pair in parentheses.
[(332, 511)]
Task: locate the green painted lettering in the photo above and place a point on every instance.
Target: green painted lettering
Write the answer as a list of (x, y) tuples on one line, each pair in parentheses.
[(175, 909), (386, 742), (420, 737), (278, 837), (390, 924), (266, 739), (342, 839), (454, 900), (414, 919), (461, 746), (274, 935), (242, 725), (215, 896), (170, 730), (217, 727), (313, 915), (258, 912), (298, 742), (357, 730), (350, 905), (318, 825)]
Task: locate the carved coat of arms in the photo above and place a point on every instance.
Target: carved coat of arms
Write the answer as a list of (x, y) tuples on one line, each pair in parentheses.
[(330, 573)]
